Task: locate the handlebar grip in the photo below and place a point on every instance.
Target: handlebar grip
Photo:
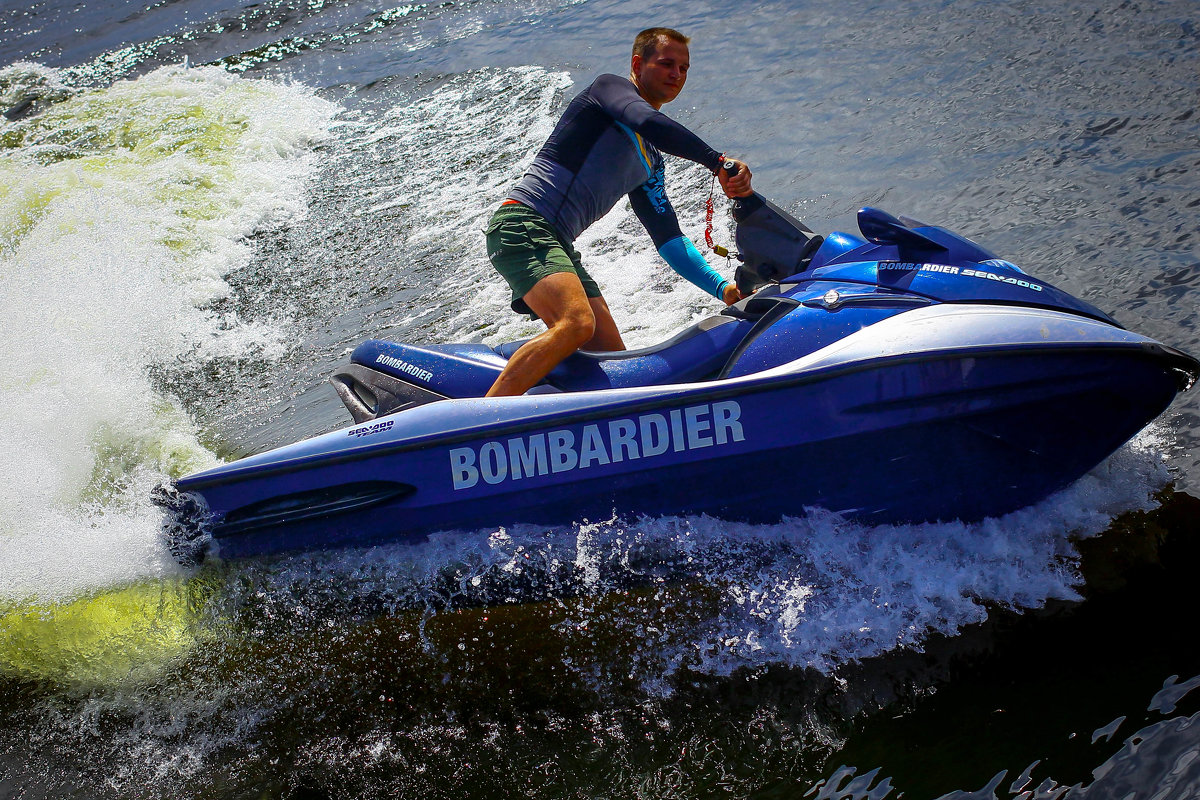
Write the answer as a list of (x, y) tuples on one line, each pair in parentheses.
[(729, 167)]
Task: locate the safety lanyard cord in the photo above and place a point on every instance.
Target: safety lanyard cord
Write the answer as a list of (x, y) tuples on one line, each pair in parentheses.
[(708, 219)]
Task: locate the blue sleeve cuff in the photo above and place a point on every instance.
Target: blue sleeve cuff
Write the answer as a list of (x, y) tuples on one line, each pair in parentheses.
[(683, 257)]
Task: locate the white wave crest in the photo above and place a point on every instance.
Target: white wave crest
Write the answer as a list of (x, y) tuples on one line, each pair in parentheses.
[(121, 209)]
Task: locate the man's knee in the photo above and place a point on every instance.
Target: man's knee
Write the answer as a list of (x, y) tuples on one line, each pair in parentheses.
[(577, 325)]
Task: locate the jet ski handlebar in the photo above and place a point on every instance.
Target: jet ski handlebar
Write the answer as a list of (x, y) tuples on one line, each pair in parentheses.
[(771, 243)]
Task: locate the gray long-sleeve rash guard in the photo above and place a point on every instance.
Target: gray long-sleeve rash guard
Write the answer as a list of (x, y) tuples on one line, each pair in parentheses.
[(607, 144)]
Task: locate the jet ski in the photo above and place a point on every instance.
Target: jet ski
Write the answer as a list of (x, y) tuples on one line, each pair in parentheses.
[(903, 375)]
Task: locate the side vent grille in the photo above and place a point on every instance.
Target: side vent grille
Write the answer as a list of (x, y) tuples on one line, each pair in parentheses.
[(312, 504)]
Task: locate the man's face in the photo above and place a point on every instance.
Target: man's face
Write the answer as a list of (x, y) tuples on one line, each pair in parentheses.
[(661, 76)]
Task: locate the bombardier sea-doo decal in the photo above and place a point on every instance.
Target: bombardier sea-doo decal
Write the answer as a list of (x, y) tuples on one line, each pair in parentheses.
[(991, 276), (916, 266), (378, 427), (645, 436), (405, 367)]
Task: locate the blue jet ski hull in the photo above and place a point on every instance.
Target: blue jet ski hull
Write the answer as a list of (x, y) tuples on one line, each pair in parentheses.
[(935, 413)]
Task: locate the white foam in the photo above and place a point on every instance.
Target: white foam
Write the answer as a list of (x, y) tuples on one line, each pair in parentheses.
[(813, 592), (120, 213)]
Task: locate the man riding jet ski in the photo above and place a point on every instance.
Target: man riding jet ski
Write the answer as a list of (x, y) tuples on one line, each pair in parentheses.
[(605, 146)]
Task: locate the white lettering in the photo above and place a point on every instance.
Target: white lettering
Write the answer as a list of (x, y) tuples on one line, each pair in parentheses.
[(493, 463), (646, 436), (405, 367), (652, 426), (726, 424), (462, 467), (528, 458), (697, 426), (592, 447), (562, 455), (622, 433), (677, 430), (991, 276)]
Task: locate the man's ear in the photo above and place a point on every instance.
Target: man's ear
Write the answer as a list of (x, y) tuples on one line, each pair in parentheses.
[(635, 63)]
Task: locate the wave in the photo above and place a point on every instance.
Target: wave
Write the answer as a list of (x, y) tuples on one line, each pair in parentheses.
[(121, 211)]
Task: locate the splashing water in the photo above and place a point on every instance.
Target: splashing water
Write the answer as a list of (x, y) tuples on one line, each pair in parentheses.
[(120, 211), (812, 592)]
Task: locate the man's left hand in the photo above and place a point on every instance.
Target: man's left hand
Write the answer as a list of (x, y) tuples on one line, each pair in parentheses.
[(739, 184), (730, 294)]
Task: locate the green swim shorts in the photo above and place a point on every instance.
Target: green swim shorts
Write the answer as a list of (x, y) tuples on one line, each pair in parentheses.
[(524, 248)]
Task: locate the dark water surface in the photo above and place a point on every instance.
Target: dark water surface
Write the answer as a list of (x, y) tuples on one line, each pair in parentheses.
[(206, 203)]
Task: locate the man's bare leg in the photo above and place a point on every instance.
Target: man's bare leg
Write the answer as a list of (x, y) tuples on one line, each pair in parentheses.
[(572, 321), (606, 338)]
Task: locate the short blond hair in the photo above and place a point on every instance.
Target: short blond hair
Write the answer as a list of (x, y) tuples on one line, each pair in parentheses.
[(645, 44)]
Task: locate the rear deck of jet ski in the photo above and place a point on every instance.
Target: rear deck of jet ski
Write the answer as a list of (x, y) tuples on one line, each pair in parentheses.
[(386, 377)]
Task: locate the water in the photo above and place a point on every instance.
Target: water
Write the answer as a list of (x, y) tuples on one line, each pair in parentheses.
[(207, 204)]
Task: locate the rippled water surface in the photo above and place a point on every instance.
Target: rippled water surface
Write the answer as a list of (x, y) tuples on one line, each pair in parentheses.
[(205, 204)]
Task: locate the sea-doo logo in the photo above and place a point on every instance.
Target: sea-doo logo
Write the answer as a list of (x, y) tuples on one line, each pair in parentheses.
[(645, 436), (991, 276), (378, 427), (405, 367)]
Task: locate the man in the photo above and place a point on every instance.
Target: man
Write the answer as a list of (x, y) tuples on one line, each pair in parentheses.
[(606, 145)]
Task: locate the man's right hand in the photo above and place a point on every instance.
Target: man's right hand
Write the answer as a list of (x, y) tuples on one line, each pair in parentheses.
[(739, 184)]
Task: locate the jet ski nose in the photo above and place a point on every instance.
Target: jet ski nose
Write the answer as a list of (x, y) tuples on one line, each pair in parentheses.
[(186, 523)]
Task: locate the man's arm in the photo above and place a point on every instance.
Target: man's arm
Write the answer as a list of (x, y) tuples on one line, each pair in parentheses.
[(619, 98), (650, 203)]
